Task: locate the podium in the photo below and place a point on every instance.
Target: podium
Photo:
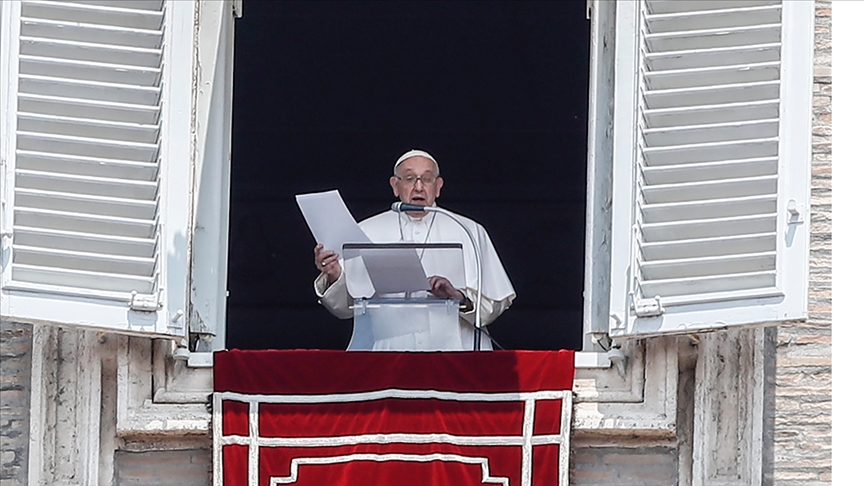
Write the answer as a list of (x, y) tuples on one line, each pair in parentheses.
[(393, 309)]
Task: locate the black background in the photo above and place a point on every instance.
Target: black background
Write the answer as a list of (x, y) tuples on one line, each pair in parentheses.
[(328, 94)]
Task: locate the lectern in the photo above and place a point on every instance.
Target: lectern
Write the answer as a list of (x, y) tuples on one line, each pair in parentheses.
[(393, 309)]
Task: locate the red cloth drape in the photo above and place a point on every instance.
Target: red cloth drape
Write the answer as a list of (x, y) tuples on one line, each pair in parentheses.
[(340, 418)]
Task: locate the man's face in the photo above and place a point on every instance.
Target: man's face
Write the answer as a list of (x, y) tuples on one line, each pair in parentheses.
[(417, 182)]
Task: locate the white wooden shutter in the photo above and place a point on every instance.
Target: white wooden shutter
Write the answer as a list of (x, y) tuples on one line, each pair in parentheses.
[(96, 159), (711, 164)]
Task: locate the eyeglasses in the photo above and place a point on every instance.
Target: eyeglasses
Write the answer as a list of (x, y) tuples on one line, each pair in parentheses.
[(426, 180)]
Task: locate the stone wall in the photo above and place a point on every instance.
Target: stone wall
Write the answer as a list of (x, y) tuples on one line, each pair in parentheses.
[(189, 467), (802, 417), (624, 466), (15, 356)]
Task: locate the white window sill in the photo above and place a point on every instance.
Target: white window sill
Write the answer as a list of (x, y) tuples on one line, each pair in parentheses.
[(582, 360)]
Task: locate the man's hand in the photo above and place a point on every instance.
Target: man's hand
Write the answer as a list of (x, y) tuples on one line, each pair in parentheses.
[(328, 262), (443, 289)]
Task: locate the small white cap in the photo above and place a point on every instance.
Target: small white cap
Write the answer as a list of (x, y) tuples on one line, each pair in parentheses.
[(415, 153)]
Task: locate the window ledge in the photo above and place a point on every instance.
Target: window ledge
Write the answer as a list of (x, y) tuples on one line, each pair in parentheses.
[(583, 360)]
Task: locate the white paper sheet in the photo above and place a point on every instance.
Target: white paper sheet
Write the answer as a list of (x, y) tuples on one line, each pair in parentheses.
[(329, 220), (379, 271), (395, 271)]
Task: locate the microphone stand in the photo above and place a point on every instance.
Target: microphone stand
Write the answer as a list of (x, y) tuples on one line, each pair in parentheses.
[(403, 207)]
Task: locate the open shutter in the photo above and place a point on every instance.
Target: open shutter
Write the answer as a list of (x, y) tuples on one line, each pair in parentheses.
[(96, 106), (711, 164)]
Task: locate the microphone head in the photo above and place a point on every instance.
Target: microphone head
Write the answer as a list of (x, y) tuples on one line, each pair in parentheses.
[(401, 207)]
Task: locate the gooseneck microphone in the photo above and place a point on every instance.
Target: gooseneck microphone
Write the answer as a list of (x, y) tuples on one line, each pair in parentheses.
[(401, 207)]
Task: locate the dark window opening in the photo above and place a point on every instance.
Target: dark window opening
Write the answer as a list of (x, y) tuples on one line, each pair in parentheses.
[(328, 94)]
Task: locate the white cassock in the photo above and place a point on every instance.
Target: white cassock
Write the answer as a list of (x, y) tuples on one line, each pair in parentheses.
[(391, 227)]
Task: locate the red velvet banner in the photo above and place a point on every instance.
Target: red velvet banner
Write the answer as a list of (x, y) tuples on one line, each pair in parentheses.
[(339, 418)]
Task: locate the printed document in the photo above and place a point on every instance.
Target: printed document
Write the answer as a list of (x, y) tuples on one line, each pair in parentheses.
[(329, 220)]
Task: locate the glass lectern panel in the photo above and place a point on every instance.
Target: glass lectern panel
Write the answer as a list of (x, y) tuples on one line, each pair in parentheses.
[(393, 309)]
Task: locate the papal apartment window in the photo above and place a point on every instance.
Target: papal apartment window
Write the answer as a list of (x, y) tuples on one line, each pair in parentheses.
[(328, 95)]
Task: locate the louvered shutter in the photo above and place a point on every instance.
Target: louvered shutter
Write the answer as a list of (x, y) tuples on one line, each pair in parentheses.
[(711, 164), (96, 159)]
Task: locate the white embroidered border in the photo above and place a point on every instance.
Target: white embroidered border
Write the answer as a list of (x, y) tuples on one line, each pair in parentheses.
[(481, 461), (527, 440)]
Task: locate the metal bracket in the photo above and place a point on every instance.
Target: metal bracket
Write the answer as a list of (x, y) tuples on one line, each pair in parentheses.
[(602, 339), (619, 359), (794, 213), (647, 308), (144, 303)]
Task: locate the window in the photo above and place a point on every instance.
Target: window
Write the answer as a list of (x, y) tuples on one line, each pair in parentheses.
[(115, 148)]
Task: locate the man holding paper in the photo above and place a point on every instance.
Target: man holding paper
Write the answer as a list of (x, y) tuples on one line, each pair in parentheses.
[(416, 180)]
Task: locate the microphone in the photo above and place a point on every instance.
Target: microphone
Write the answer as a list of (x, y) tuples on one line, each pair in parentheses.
[(401, 207)]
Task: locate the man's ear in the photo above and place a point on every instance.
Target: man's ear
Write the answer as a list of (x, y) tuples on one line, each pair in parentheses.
[(393, 182), (439, 183)]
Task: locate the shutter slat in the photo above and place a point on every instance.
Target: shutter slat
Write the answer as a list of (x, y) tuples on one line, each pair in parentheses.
[(89, 70), (733, 169), (78, 241), (712, 95), (98, 110), (708, 266), (85, 261), (155, 5), (701, 58), (677, 6), (96, 14), (709, 209), (77, 279), (709, 114), (713, 189), (716, 132), (708, 228), (85, 51), (88, 147), (710, 152), (708, 76), (87, 185), (78, 203), (705, 247), (713, 38), (86, 166), (89, 90), (83, 32), (714, 19), (85, 223), (83, 127), (714, 284)]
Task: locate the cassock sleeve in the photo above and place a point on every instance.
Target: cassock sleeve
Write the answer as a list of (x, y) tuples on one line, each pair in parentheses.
[(335, 297), (498, 292), (489, 309)]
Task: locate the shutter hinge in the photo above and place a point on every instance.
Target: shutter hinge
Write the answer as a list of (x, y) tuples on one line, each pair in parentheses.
[(589, 9), (237, 8), (647, 308), (144, 303)]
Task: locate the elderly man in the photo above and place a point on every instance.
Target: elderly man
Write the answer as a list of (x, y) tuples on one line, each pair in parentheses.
[(416, 180)]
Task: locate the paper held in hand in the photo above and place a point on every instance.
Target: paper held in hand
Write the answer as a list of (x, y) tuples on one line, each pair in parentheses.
[(329, 220), (377, 273)]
